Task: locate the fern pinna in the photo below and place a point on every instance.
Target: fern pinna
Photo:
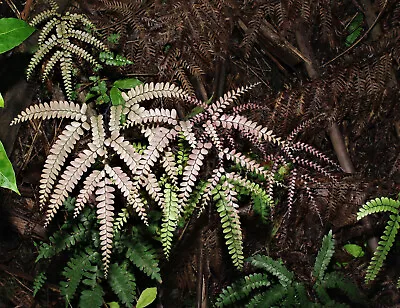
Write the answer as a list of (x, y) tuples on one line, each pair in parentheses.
[(276, 285), (386, 242), (84, 278)]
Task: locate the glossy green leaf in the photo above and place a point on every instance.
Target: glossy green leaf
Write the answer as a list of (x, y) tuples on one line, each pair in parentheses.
[(147, 297), (127, 83), (113, 305), (116, 97), (13, 32), (7, 175), (355, 250), (1, 101)]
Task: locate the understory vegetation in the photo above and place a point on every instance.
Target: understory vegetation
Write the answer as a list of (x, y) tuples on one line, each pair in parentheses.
[(204, 153)]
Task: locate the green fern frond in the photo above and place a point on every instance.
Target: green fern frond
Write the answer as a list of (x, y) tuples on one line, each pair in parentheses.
[(224, 195), (274, 267), (116, 60), (92, 298), (324, 256), (376, 205), (336, 280), (74, 274), (121, 220), (262, 202), (122, 282), (242, 289), (384, 246), (78, 269), (38, 283), (60, 241), (144, 257), (170, 217), (194, 200), (271, 298)]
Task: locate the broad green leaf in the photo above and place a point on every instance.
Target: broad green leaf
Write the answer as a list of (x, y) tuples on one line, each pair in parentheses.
[(127, 83), (147, 297), (116, 97), (13, 32), (7, 175), (113, 305), (1, 101), (355, 250)]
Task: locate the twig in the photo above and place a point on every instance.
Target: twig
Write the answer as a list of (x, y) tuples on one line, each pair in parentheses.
[(26, 10), (360, 39), (13, 8)]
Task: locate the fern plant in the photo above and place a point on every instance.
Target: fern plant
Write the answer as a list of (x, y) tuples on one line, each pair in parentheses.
[(83, 271), (59, 42), (276, 285), (379, 205)]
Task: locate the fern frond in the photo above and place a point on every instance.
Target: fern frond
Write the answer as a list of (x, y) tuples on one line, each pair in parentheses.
[(115, 118), (66, 73), (171, 211), (144, 257), (51, 63), (39, 55), (336, 280), (56, 159), (271, 298), (54, 109), (247, 163), (155, 116), (377, 205), (105, 213), (274, 267), (98, 133), (80, 52), (241, 289), (262, 202), (168, 163), (38, 283), (42, 16), (121, 220), (227, 100), (187, 132), (69, 179), (122, 282), (92, 298), (149, 91), (124, 149), (157, 143), (324, 256), (227, 208), (191, 170), (74, 272), (242, 124), (87, 38), (384, 246), (89, 186)]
